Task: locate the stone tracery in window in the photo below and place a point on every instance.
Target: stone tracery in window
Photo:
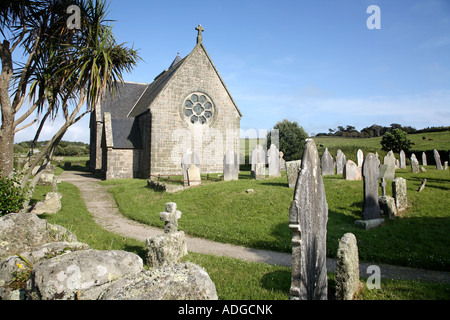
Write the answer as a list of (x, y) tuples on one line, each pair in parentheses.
[(198, 108)]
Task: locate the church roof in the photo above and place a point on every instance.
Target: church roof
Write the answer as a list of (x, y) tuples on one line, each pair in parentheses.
[(127, 94)]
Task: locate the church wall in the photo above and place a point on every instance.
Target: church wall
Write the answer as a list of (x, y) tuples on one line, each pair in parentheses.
[(145, 121), (122, 163), (172, 132)]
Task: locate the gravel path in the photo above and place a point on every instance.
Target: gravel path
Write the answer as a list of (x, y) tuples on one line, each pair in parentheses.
[(102, 206)]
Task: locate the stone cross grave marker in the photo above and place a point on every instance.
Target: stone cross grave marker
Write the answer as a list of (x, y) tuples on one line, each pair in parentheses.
[(170, 217), (308, 216)]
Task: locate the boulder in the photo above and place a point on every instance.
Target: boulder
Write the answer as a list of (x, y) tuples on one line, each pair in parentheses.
[(183, 281), (21, 232), (22, 263), (51, 204), (81, 274)]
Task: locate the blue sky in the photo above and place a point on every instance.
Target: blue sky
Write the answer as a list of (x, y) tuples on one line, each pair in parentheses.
[(314, 62)]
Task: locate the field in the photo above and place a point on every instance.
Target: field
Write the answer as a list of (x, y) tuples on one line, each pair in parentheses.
[(225, 212)]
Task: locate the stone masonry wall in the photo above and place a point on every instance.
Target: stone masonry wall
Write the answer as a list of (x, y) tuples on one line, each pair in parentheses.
[(172, 133), (123, 163)]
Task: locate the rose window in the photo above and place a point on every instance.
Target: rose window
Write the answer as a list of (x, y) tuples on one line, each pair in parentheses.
[(198, 108)]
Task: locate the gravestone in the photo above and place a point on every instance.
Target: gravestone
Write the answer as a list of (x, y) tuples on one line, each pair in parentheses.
[(258, 156), (437, 159), (282, 161), (273, 158), (340, 162), (189, 157), (327, 163), (370, 174), (352, 171), (387, 206), (389, 161), (414, 164), (399, 193), (360, 157), (347, 268), (424, 159), (292, 169), (170, 247), (260, 171), (308, 215), (230, 166), (446, 165), (402, 159), (193, 173)]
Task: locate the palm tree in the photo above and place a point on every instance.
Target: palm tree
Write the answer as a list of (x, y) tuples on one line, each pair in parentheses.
[(68, 68)]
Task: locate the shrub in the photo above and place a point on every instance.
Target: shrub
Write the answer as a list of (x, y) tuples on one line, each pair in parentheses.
[(396, 141), (12, 196)]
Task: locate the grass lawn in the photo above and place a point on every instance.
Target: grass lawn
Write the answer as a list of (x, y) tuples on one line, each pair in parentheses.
[(234, 279), (224, 212)]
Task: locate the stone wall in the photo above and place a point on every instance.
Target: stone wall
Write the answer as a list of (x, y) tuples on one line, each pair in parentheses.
[(172, 133), (123, 163)]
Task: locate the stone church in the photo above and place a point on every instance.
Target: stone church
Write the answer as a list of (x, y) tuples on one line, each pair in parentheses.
[(147, 130)]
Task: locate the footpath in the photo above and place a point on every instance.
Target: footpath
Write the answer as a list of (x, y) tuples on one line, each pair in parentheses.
[(102, 206)]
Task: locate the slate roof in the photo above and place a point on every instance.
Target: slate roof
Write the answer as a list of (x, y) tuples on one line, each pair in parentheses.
[(126, 134), (155, 88), (124, 99)]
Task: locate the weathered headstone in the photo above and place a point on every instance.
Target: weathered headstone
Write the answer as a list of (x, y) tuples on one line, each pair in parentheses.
[(399, 193), (424, 159), (340, 162), (189, 157), (446, 165), (360, 158), (389, 161), (282, 161), (351, 171), (415, 167), (370, 174), (437, 159), (170, 247), (193, 174), (273, 158), (402, 159), (230, 166), (292, 169), (387, 206), (308, 216), (327, 163), (347, 268), (258, 156)]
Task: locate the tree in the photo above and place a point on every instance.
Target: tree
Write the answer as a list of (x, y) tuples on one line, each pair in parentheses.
[(396, 141), (65, 69), (291, 138)]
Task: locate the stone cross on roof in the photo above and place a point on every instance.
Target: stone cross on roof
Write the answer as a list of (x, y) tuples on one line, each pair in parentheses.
[(170, 217), (200, 29)]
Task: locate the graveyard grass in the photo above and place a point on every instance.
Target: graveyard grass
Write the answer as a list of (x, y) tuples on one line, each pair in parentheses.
[(224, 212), (234, 279)]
